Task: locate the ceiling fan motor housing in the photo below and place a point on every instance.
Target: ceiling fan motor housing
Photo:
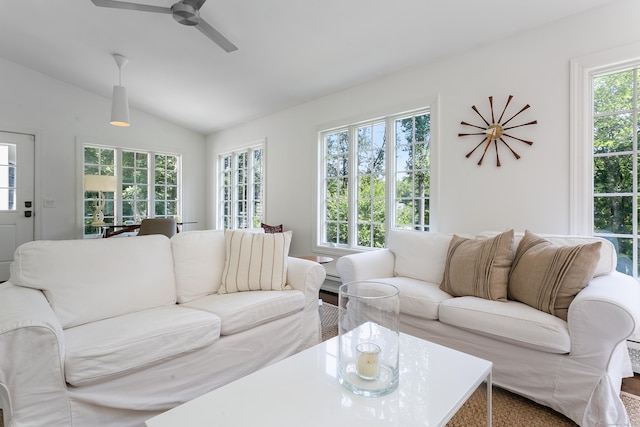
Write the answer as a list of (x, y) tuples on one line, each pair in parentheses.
[(185, 14)]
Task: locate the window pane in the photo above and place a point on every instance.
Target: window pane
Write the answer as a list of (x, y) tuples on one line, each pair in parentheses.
[(142, 160), (613, 92), (613, 174), (613, 133), (364, 235), (613, 214), (331, 235), (128, 159), (343, 237)]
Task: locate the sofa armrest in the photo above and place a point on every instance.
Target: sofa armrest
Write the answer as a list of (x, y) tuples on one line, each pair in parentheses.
[(366, 265), (32, 382), (308, 276), (602, 315)]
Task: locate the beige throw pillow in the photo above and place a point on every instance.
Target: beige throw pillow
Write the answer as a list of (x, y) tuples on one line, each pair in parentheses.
[(548, 277), (478, 268), (255, 261)]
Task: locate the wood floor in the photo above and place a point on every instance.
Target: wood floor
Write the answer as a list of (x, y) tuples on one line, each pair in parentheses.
[(632, 385), (629, 385)]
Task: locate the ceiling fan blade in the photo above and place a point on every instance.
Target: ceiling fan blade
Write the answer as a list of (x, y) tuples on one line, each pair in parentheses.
[(214, 35), (195, 3), (131, 6)]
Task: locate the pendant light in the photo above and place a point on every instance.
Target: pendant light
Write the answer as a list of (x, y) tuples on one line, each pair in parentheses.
[(119, 102)]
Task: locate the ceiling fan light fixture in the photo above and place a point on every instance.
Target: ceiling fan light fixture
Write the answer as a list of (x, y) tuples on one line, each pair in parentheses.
[(119, 101)]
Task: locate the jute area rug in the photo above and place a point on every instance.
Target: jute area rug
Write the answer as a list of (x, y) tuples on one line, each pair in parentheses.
[(508, 409)]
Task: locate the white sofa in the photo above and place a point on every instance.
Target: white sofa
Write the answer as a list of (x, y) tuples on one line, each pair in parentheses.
[(111, 332), (575, 366)]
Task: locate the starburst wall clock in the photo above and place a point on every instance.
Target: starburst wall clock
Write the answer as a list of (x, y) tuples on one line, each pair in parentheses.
[(496, 131)]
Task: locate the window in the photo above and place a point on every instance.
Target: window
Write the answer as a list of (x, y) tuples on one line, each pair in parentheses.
[(615, 163), (241, 186), (362, 192), (136, 173)]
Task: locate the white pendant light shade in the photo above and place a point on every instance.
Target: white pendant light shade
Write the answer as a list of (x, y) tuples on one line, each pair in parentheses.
[(120, 107), (119, 102)]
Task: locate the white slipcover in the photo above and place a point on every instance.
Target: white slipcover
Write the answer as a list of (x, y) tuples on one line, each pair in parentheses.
[(127, 350), (575, 367), (89, 280)]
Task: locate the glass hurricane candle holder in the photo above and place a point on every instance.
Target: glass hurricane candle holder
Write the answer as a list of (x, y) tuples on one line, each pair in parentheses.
[(368, 328)]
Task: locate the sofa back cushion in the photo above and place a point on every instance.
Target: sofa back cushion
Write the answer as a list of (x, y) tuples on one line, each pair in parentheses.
[(419, 255), (90, 280), (198, 258)]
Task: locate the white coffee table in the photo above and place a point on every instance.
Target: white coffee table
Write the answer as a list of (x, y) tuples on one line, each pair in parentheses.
[(303, 390)]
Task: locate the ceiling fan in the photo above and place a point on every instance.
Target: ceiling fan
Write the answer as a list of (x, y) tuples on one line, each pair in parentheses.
[(186, 12)]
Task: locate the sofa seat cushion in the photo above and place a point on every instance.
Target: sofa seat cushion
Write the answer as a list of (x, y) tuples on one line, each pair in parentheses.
[(509, 321), (113, 347), (241, 311), (418, 298)]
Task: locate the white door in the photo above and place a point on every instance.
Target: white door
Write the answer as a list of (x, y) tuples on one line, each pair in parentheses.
[(16, 195)]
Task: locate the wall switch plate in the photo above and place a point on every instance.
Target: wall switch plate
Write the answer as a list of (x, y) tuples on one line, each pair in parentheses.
[(49, 202)]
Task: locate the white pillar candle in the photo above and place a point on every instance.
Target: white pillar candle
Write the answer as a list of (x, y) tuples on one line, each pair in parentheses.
[(368, 366)]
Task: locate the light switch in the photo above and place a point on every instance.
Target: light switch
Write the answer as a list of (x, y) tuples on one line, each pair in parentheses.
[(49, 202)]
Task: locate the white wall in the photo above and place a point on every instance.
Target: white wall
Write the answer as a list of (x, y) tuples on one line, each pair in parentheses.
[(60, 115), (531, 193)]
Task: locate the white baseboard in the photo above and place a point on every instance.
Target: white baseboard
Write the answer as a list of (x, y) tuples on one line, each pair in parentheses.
[(331, 284)]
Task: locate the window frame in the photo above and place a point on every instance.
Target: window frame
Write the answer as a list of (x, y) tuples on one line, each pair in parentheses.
[(581, 125), (430, 108), (255, 206)]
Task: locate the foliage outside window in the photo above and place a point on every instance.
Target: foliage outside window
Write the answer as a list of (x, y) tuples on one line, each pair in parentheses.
[(241, 186), (133, 201), (615, 164), (363, 193)]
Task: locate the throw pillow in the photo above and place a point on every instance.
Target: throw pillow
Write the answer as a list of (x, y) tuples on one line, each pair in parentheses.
[(271, 228), (478, 267), (255, 261), (547, 276)]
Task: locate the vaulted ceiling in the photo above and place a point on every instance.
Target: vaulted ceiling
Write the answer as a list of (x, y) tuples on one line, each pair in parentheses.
[(289, 51)]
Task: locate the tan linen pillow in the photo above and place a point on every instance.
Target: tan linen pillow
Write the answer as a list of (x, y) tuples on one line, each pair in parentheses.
[(478, 267), (547, 276), (255, 261)]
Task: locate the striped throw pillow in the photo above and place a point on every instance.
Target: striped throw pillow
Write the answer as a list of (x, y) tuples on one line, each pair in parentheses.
[(255, 261), (478, 267), (547, 276)]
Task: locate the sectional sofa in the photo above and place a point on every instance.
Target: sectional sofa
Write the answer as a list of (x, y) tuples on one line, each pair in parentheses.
[(111, 332), (550, 312)]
